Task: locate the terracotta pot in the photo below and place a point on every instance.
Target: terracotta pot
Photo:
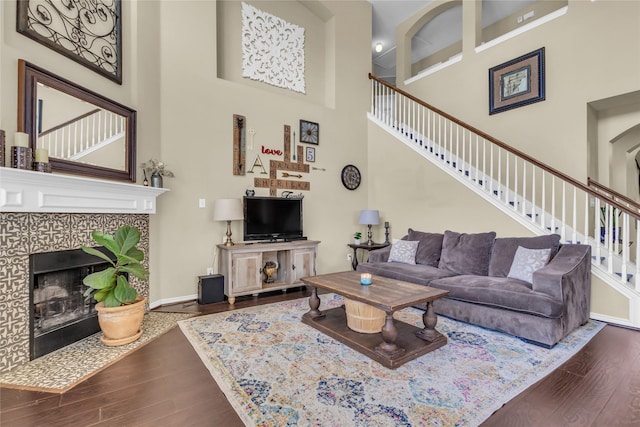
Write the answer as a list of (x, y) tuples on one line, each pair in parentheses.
[(121, 325)]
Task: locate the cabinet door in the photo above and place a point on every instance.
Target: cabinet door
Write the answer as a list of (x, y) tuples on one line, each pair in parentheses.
[(304, 263), (246, 271)]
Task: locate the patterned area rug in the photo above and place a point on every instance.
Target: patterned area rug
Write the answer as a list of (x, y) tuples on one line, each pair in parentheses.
[(276, 371), (60, 370)]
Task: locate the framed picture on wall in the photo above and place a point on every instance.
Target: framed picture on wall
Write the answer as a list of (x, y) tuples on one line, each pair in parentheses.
[(310, 154), (88, 32), (518, 82)]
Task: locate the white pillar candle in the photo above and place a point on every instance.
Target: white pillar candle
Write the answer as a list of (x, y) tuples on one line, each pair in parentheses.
[(21, 139), (42, 155)]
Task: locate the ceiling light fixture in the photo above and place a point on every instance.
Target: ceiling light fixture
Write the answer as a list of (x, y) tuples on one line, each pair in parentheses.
[(378, 47)]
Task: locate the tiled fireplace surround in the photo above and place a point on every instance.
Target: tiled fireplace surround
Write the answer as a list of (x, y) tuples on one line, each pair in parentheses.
[(22, 234), (42, 212)]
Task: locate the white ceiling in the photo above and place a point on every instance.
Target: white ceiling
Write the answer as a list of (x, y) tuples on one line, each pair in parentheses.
[(441, 32)]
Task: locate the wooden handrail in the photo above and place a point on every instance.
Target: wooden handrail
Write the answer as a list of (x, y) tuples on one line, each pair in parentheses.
[(68, 122), (547, 168), (613, 194)]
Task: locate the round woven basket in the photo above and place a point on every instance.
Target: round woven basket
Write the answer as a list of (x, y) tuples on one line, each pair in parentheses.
[(363, 318)]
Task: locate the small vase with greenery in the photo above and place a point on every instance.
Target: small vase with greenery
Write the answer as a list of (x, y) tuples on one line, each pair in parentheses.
[(156, 169), (356, 237), (111, 285)]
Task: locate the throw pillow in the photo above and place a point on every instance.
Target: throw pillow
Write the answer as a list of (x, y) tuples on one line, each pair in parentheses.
[(504, 249), (403, 251), (526, 261), (429, 248), (466, 253)]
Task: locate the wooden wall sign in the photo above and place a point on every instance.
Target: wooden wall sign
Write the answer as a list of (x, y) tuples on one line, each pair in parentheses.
[(273, 183), (239, 144)]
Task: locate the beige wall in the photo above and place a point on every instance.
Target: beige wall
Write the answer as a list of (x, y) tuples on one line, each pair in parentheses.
[(171, 52), (185, 102), (591, 54)]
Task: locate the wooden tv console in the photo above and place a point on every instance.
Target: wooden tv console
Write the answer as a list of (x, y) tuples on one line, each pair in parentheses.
[(242, 264)]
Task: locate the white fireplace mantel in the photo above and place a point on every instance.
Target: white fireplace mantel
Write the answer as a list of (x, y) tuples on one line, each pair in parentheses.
[(37, 192)]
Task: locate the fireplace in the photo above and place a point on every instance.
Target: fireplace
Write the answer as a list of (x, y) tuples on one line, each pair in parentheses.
[(60, 313), (43, 212)]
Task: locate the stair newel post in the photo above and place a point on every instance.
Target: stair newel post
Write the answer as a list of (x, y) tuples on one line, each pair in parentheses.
[(625, 245), (596, 229), (637, 260), (544, 200), (574, 236)]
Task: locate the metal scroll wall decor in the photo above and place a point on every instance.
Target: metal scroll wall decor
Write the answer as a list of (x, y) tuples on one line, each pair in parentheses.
[(272, 50), (89, 32)]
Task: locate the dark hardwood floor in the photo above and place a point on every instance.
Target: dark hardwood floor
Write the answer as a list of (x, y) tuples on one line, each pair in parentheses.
[(165, 384)]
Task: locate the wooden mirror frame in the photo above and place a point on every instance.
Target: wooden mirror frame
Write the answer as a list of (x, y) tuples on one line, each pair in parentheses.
[(29, 76)]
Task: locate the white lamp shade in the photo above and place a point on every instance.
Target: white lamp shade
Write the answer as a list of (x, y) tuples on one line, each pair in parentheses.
[(369, 217), (227, 210)]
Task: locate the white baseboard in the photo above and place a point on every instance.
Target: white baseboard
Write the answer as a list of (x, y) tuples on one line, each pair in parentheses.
[(174, 300), (610, 319)]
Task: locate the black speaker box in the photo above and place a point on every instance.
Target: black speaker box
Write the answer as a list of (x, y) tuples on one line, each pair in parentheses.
[(210, 289)]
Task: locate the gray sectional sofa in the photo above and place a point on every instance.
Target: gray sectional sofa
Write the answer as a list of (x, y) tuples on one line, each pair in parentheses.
[(531, 287)]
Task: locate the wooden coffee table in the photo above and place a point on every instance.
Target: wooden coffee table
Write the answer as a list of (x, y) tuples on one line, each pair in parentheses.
[(401, 342)]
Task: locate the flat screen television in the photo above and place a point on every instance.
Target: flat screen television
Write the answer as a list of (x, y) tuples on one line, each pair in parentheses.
[(272, 218)]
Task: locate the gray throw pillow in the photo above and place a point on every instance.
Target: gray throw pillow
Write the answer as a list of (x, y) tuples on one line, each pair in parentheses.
[(466, 253), (526, 261), (403, 251), (429, 248), (504, 249)]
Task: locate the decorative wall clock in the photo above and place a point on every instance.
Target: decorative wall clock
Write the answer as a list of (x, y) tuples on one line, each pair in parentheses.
[(309, 132), (350, 177)]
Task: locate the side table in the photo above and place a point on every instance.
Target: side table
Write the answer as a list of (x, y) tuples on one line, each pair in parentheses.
[(366, 247)]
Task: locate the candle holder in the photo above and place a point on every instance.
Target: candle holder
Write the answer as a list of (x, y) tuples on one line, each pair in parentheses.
[(1, 147), (42, 167), (365, 279), (21, 158), (386, 232)]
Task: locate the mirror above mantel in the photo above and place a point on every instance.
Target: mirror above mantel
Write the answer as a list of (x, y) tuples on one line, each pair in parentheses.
[(85, 133)]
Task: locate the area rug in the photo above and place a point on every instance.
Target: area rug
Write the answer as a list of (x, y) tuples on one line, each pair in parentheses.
[(276, 371), (62, 369)]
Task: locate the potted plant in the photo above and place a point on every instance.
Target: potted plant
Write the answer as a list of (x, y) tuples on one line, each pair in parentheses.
[(615, 229), (120, 309), (356, 237)]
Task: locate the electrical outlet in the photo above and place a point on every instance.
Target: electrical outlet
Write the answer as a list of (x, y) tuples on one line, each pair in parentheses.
[(349, 257)]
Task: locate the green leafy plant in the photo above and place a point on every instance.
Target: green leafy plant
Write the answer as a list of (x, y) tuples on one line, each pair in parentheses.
[(111, 285), (615, 214), (357, 235)]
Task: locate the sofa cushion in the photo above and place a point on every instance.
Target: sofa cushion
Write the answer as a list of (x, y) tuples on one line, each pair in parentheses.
[(403, 251), (420, 274), (466, 253), (429, 248), (504, 249), (503, 292), (526, 261)]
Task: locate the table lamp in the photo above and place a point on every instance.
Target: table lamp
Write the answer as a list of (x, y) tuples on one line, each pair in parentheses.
[(227, 210), (369, 218)]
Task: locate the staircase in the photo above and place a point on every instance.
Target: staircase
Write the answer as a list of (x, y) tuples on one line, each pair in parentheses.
[(535, 195), (83, 135)]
